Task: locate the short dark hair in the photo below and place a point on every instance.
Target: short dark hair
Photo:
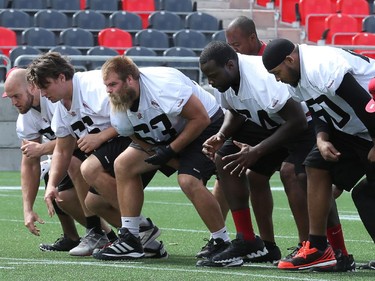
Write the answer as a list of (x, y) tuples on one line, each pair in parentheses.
[(48, 65), (245, 24), (218, 51)]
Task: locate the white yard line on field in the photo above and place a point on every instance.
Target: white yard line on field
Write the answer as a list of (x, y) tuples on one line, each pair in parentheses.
[(139, 265)]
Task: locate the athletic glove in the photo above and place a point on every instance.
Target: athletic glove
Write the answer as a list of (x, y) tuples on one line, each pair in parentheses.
[(163, 153)]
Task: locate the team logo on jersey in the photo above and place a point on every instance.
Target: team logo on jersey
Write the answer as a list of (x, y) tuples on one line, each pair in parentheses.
[(330, 84), (73, 113), (139, 115), (45, 120), (154, 103), (180, 103), (274, 102)]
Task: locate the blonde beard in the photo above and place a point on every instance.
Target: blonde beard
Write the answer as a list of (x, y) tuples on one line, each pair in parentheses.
[(119, 103)]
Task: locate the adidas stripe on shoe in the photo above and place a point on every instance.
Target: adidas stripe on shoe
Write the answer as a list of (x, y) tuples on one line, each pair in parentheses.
[(126, 247)]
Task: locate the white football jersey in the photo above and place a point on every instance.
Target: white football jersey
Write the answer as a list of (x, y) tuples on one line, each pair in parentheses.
[(260, 97), (34, 124), (90, 108), (322, 71), (163, 93)]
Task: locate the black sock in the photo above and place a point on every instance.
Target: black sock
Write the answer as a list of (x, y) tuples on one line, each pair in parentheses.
[(319, 242), (112, 237), (93, 222)]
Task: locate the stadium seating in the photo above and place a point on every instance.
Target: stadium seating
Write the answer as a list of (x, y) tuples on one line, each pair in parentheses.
[(77, 37), (8, 40), (115, 38), (106, 6), (190, 69), (339, 23), (368, 24), (16, 20), (152, 38), (364, 39), (313, 14), (202, 22), (165, 21), (3, 4), (357, 8), (142, 51), (65, 5), (51, 19), (219, 36), (187, 38), (22, 50), (79, 65), (288, 11), (128, 21), (180, 7), (89, 20), (99, 51), (39, 37), (31, 6), (144, 8)]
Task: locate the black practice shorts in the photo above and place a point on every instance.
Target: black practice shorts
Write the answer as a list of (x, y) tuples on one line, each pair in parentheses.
[(191, 159), (294, 152), (353, 163), (65, 184)]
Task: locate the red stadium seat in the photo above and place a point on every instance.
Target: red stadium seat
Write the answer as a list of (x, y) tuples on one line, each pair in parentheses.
[(313, 15), (364, 39), (115, 38), (288, 10), (357, 8), (315, 7), (339, 23), (144, 8), (8, 40)]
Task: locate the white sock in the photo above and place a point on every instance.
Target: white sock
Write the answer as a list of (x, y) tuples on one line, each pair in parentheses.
[(222, 233), (132, 224)]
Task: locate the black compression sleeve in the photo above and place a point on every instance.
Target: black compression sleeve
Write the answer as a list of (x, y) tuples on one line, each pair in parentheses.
[(357, 97)]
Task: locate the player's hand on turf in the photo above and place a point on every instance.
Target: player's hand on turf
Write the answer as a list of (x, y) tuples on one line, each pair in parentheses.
[(213, 144), (30, 219), (240, 161), (328, 151), (50, 195), (163, 153)]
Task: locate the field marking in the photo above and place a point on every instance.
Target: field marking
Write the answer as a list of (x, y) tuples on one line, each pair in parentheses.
[(140, 265), (149, 188)]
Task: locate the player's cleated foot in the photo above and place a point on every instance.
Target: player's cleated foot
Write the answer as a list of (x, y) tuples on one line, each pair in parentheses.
[(344, 263), (89, 243), (211, 263), (294, 251), (126, 247), (273, 255), (62, 244), (159, 253), (309, 259), (370, 265), (239, 249), (212, 247), (149, 233)]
